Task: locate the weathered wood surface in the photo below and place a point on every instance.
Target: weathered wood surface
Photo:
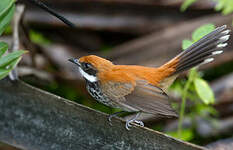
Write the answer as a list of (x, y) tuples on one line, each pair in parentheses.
[(34, 119)]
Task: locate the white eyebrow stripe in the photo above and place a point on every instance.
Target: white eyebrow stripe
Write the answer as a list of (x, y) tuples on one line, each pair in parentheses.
[(90, 78)]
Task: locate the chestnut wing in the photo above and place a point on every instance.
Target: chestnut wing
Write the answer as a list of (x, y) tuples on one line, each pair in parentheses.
[(150, 99), (142, 96)]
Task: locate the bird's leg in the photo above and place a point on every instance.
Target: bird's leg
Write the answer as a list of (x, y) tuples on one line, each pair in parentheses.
[(134, 119), (113, 115)]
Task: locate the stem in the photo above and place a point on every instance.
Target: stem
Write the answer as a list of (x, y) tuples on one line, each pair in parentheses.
[(184, 96)]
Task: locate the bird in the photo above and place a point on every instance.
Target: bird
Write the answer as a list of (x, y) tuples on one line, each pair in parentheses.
[(141, 89)]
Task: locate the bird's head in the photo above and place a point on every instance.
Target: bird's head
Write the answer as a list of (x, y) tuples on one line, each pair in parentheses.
[(90, 66)]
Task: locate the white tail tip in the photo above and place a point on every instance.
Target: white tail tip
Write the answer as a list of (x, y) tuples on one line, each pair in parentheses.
[(208, 60), (216, 52), (222, 45), (224, 38), (226, 32)]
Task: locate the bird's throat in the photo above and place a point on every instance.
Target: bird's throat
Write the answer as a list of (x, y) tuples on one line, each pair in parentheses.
[(87, 76)]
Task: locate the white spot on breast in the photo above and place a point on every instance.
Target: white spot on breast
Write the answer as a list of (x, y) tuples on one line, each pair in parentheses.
[(90, 78)]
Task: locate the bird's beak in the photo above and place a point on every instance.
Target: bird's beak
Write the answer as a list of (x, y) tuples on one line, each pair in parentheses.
[(75, 61)]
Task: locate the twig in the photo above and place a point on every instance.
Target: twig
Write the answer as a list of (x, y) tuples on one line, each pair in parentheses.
[(13, 75), (53, 12)]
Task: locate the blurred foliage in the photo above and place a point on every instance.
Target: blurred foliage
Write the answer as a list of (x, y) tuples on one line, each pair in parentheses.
[(186, 4), (106, 48), (38, 38), (194, 87), (187, 134), (8, 30), (225, 6), (9, 61)]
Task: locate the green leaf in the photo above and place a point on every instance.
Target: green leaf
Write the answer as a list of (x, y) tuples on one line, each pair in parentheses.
[(3, 48), (5, 5), (14, 63), (186, 44), (193, 73), (186, 4), (6, 60), (5, 72), (204, 91), (202, 31), (7, 8), (203, 110)]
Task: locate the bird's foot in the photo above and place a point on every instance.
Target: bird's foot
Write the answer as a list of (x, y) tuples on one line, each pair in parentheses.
[(134, 120), (128, 123)]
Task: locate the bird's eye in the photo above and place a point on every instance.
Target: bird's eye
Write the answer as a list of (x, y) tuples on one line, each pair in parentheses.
[(87, 66)]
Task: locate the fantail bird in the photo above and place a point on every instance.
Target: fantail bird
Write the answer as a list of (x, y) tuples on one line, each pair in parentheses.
[(142, 89)]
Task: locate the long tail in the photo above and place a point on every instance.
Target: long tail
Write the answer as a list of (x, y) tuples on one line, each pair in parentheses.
[(201, 52)]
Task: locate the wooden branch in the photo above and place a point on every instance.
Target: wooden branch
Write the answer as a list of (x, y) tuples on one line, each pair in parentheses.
[(34, 119)]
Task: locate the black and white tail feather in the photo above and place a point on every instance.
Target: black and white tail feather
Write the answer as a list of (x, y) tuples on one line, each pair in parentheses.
[(204, 50)]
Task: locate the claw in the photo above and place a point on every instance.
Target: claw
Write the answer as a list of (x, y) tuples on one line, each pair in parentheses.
[(128, 125), (110, 120), (139, 123), (128, 122)]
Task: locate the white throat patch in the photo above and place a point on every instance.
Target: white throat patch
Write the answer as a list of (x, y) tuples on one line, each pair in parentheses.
[(90, 78)]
